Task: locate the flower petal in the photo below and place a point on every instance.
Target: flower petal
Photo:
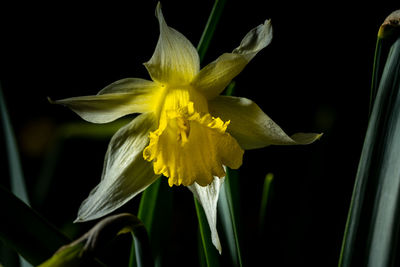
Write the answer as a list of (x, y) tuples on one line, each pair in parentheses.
[(125, 173), (251, 127), (214, 77), (175, 60), (208, 198), (126, 96)]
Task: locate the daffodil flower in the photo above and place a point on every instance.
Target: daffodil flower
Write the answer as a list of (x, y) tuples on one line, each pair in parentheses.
[(186, 132)]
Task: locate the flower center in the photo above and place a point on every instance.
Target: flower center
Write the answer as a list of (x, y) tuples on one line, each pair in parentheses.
[(177, 98)]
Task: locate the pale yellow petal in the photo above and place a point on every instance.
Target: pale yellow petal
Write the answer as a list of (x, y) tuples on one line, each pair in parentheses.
[(175, 60), (214, 77), (125, 172), (251, 127), (118, 99), (255, 40)]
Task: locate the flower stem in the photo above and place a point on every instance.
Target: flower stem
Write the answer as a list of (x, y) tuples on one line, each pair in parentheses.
[(209, 30)]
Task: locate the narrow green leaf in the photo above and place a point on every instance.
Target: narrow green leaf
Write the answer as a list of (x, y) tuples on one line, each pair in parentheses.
[(26, 231), (227, 215), (143, 250), (209, 30), (143, 256), (264, 201), (377, 70), (388, 32), (67, 257), (209, 252), (16, 174), (200, 248), (228, 200), (371, 234), (148, 204), (155, 211), (18, 186), (230, 89), (83, 251)]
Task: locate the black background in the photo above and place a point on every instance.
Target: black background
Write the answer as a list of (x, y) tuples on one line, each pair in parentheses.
[(314, 77)]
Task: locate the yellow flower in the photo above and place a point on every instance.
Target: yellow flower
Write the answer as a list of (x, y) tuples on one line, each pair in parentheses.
[(186, 132)]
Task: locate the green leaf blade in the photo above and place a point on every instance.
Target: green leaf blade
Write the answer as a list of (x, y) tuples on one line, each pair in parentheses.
[(26, 231), (267, 188), (16, 174), (155, 211), (209, 252), (373, 222), (228, 215), (18, 186), (210, 27)]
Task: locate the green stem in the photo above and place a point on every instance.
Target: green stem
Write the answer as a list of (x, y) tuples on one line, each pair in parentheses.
[(228, 200), (209, 250), (155, 211), (265, 199), (209, 30)]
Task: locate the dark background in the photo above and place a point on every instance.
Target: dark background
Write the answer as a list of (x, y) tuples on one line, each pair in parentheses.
[(314, 77)]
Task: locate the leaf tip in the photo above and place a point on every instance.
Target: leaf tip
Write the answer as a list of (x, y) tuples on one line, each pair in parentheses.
[(51, 100), (390, 26)]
